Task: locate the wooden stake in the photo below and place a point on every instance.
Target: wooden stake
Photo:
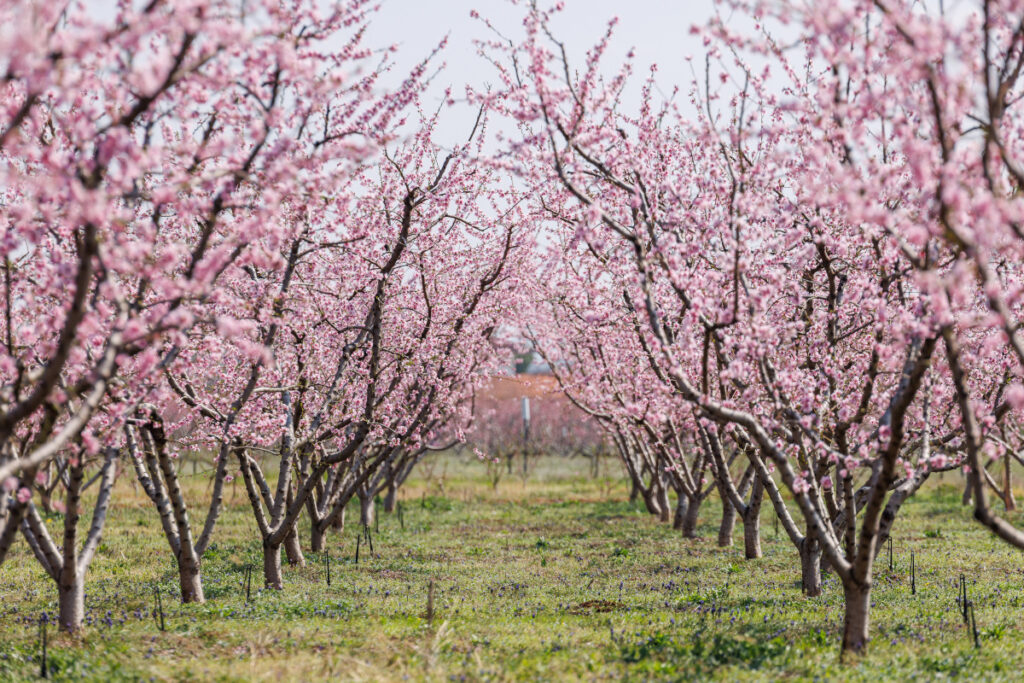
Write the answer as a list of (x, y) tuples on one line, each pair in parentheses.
[(962, 598), (159, 607), (974, 627), (913, 575), (430, 602), (44, 671)]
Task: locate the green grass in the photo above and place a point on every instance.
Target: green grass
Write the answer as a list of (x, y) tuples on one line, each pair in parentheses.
[(557, 578)]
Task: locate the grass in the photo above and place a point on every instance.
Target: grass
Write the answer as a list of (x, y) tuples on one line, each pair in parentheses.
[(559, 577)]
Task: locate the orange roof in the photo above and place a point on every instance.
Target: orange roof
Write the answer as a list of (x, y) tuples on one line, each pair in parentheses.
[(520, 386)]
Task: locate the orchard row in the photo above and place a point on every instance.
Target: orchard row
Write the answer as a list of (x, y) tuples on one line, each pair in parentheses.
[(795, 282)]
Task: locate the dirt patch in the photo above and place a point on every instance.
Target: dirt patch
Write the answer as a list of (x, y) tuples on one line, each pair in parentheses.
[(596, 607), (390, 574)]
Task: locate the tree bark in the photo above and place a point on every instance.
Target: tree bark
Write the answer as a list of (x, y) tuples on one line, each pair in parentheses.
[(651, 502), (690, 518), (190, 579), (681, 505), (272, 566), (390, 498), (293, 549), (752, 537), (664, 506), (71, 599), (1008, 500), (9, 526), (316, 538), (856, 616), (752, 522), (367, 510), (728, 524), (810, 567), (338, 523)]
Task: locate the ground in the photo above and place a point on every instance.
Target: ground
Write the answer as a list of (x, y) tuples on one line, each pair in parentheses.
[(559, 577)]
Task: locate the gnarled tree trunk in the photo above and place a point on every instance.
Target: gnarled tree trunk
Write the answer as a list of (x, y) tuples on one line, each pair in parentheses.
[(70, 598), (690, 518), (316, 537), (159, 479), (190, 579), (390, 498), (664, 506), (293, 550), (856, 616), (810, 566), (65, 564), (752, 522), (727, 525), (367, 509), (681, 506), (272, 576)]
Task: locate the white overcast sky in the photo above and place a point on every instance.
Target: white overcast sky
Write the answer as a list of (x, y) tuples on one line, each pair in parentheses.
[(659, 30)]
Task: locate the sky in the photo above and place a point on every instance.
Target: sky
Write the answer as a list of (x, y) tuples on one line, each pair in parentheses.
[(658, 30)]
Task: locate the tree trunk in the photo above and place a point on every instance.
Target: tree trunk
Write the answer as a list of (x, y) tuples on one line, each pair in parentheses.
[(1008, 500), (752, 536), (727, 525), (390, 498), (634, 491), (810, 567), (293, 550), (856, 616), (46, 501), (316, 537), (651, 502), (338, 523), (752, 523), (367, 510), (690, 518), (681, 505), (664, 506), (190, 579), (71, 599), (9, 525), (272, 566)]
